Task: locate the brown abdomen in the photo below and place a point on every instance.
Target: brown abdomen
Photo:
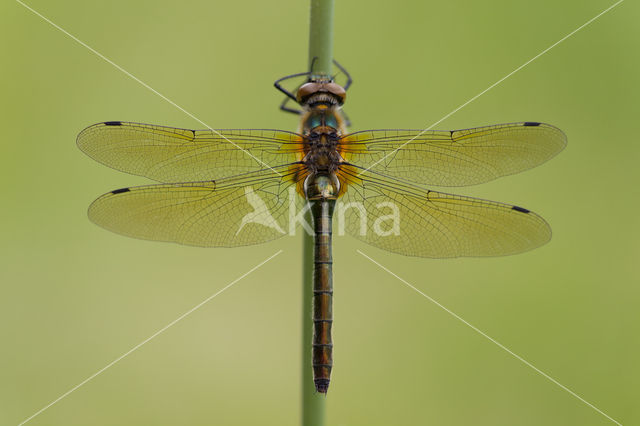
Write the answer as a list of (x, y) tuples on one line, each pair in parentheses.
[(322, 351)]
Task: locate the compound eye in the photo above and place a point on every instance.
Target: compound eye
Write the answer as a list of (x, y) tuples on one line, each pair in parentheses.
[(306, 90), (338, 91)]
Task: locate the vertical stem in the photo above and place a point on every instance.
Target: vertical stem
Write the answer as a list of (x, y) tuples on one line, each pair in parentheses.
[(321, 56), (321, 36)]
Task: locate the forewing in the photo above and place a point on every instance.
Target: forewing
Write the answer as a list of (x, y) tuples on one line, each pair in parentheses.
[(457, 157), (168, 154), (434, 224), (226, 213)]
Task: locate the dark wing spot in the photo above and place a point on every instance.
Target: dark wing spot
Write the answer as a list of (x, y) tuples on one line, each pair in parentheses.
[(120, 191), (531, 123), (520, 209), (113, 123)]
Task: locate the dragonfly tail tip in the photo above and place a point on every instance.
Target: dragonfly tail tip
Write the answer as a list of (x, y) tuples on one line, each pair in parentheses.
[(322, 385)]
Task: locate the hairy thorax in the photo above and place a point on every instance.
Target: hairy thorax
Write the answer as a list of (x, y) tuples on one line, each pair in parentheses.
[(322, 128)]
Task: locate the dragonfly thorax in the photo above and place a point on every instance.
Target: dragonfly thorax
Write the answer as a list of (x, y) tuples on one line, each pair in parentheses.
[(322, 129), (322, 150)]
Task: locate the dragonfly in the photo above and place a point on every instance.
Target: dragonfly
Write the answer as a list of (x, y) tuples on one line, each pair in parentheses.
[(237, 187)]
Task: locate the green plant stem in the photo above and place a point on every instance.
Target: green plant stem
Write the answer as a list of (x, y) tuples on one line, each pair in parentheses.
[(321, 37), (321, 56)]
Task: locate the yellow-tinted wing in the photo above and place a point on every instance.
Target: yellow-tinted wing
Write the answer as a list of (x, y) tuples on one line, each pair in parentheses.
[(227, 213), (457, 157), (433, 224), (167, 154)]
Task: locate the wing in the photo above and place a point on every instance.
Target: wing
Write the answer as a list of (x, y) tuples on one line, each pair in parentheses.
[(167, 154), (406, 219), (457, 157), (227, 213)]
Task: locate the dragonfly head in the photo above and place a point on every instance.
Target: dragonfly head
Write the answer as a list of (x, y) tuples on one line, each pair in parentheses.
[(321, 91)]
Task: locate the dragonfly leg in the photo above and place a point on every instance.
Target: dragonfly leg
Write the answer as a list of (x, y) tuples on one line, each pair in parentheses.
[(285, 108), (346, 73), (278, 86)]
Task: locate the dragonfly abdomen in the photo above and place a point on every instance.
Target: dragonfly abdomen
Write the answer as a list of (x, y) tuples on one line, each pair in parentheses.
[(321, 192), (322, 351)]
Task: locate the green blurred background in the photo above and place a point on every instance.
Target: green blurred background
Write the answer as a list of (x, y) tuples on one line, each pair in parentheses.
[(75, 297)]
